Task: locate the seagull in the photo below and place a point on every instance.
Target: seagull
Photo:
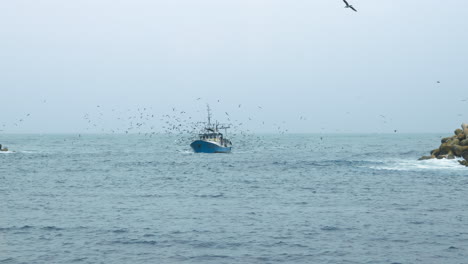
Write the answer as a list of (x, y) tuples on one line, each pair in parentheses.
[(349, 6)]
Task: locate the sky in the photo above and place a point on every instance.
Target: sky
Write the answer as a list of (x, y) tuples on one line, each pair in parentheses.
[(312, 66)]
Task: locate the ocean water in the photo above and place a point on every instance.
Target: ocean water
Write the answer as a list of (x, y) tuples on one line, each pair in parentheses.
[(279, 199)]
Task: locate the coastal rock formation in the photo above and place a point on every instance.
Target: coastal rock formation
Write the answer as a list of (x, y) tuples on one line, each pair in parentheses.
[(465, 128), (465, 156), (451, 147), (3, 149)]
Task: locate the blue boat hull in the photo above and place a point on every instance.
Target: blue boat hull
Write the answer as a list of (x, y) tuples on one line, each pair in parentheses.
[(200, 146)]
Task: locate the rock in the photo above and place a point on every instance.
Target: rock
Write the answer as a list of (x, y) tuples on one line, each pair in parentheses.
[(435, 152), (465, 128), (442, 156), (447, 139), (445, 148), (458, 150), (451, 147), (464, 155), (426, 157)]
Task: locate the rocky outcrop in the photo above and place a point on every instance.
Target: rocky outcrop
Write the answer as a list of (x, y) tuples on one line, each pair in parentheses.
[(451, 147), (464, 156), (3, 149), (465, 129)]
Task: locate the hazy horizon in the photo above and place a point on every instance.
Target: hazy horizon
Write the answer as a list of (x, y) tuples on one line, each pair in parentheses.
[(304, 66)]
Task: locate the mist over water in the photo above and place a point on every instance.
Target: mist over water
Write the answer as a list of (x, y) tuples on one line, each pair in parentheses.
[(303, 198)]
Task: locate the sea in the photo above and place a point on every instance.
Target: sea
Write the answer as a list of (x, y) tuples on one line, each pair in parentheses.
[(291, 198)]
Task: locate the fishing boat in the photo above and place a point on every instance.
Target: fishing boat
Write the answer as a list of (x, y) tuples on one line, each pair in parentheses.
[(211, 140)]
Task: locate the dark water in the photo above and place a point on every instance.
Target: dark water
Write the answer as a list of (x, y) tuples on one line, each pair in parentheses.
[(289, 199)]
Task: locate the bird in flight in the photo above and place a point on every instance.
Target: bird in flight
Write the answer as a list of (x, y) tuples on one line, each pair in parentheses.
[(349, 6)]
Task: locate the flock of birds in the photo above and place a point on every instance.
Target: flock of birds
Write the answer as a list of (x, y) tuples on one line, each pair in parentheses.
[(144, 121), (17, 123), (147, 122), (177, 124)]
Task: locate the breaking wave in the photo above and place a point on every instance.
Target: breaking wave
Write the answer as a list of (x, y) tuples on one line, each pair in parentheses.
[(413, 165)]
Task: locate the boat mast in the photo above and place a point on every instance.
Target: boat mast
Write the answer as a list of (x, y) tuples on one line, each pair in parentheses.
[(209, 115)]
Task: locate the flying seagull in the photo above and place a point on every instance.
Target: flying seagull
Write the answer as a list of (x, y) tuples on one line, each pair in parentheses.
[(349, 6)]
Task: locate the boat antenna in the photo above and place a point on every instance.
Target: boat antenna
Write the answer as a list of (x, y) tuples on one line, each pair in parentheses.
[(209, 115)]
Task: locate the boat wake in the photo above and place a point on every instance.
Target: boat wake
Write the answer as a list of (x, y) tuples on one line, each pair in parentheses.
[(185, 152)]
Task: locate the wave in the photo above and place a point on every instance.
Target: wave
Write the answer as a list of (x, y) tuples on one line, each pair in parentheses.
[(219, 195), (209, 257), (51, 228), (120, 230), (338, 163), (135, 242), (330, 228), (46, 228), (410, 165), (79, 259), (22, 152)]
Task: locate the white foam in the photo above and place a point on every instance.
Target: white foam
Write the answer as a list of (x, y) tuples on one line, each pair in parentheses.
[(22, 151), (431, 164)]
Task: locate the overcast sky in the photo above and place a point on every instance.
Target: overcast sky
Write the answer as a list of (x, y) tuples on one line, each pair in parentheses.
[(311, 65)]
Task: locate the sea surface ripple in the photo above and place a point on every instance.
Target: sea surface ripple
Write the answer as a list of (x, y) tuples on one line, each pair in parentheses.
[(306, 198)]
